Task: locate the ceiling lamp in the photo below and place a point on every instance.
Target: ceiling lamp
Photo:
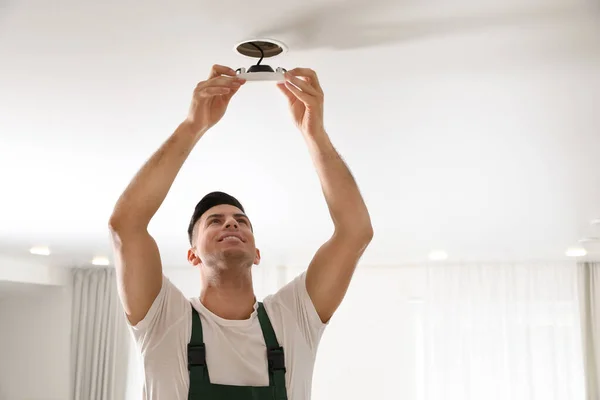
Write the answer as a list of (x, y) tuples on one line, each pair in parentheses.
[(438, 255), (261, 49), (100, 261), (576, 252), (40, 250)]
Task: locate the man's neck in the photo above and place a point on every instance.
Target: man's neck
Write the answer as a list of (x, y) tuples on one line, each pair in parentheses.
[(229, 296)]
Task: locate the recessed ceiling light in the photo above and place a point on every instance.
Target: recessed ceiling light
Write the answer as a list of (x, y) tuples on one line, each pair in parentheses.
[(100, 261), (438, 255), (576, 252), (40, 250), (258, 47)]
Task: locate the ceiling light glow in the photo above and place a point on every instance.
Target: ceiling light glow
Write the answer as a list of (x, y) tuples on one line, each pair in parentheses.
[(438, 255), (40, 250), (576, 252), (100, 261)]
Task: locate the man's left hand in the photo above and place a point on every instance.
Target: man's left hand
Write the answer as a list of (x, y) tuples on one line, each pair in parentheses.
[(305, 97)]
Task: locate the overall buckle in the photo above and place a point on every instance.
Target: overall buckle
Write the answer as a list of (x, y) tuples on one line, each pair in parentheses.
[(276, 359), (196, 355)]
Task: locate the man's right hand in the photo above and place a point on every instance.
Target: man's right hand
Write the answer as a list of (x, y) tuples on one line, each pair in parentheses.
[(211, 98)]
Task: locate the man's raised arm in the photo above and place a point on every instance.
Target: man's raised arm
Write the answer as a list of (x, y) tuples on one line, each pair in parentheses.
[(331, 269), (137, 258)]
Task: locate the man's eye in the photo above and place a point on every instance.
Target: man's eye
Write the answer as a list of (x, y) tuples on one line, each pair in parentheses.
[(213, 221), (242, 221)]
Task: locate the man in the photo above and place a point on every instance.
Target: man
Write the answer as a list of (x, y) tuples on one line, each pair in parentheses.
[(224, 344)]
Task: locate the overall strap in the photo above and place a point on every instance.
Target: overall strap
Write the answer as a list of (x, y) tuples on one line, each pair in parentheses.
[(196, 355), (275, 356)]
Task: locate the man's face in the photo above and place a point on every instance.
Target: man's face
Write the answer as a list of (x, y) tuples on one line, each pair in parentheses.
[(223, 236)]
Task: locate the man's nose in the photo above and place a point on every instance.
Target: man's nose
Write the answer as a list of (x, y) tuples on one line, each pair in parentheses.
[(231, 223)]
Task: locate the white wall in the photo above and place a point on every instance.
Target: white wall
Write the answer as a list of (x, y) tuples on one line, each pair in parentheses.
[(23, 270), (35, 331)]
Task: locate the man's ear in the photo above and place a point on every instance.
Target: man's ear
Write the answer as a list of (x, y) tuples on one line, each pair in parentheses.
[(193, 257), (257, 257)]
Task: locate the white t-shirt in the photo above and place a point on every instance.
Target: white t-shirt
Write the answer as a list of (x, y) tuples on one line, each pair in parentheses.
[(235, 349)]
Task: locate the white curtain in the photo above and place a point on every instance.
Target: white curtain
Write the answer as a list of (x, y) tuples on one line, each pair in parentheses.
[(589, 288), (99, 337), (499, 332)]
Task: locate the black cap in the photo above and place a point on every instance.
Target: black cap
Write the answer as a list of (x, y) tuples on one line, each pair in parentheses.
[(209, 201)]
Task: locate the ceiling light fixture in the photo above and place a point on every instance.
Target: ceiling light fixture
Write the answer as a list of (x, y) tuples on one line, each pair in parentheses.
[(576, 252), (438, 255), (261, 49), (40, 250), (100, 261)]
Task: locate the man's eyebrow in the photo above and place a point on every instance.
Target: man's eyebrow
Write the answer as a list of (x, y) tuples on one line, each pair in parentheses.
[(237, 215)]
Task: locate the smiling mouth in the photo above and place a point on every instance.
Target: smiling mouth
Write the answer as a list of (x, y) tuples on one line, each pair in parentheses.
[(231, 239)]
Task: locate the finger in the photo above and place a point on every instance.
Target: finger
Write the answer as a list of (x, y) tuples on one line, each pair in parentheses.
[(301, 84), (304, 97), (222, 81), (218, 70), (225, 81), (309, 73), (290, 96), (231, 93), (214, 91)]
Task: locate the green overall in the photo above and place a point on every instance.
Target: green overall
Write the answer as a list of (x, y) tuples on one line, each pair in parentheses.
[(202, 389)]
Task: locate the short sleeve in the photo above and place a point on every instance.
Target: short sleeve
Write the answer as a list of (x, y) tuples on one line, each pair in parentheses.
[(167, 310), (295, 299)]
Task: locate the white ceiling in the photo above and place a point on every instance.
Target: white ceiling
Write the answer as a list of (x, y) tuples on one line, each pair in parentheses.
[(471, 127)]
